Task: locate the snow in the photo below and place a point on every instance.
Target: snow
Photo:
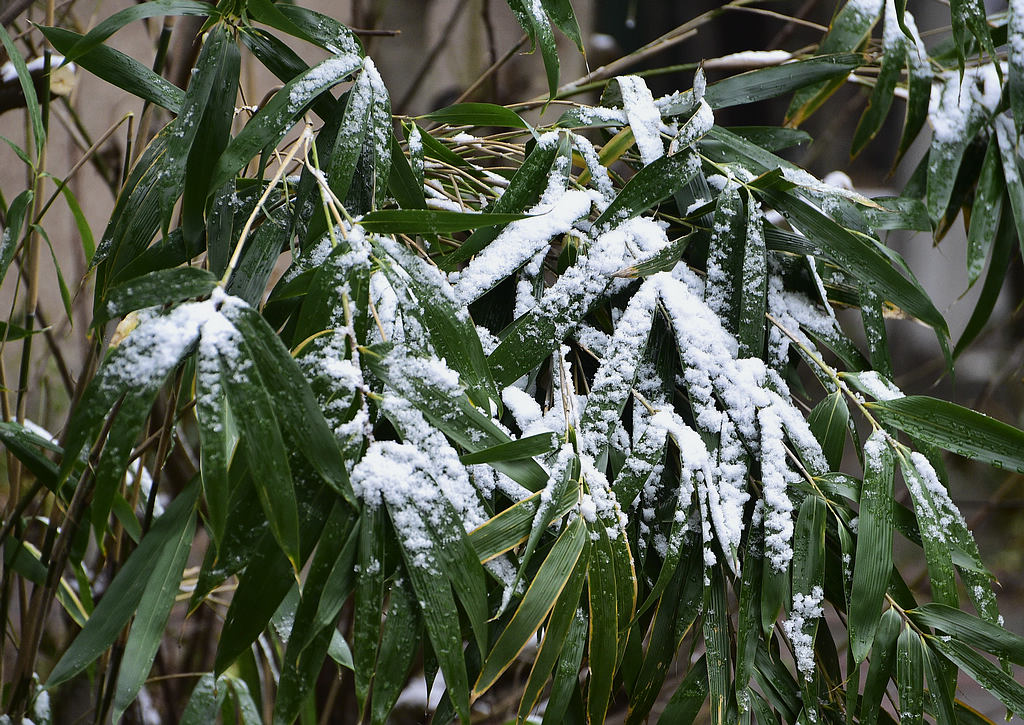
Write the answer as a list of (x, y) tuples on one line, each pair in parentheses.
[(954, 105), (806, 608), (878, 387), (644, 118), (552, 216)]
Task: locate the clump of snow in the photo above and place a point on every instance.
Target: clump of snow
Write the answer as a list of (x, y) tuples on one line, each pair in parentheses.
[(878, 387), (806, 608)]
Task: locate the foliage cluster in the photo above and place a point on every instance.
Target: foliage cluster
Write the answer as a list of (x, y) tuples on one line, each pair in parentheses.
[(556, 408)]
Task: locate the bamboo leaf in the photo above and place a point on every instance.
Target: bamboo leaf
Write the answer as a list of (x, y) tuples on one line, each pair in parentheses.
[(126, 591), (880, 669), (154, 608), (120, 70), (28, 88), (910, 657), (556, 632), (532, 18), (431, 221), (151, 9), (542, 594), (274, 119), (764, 83), (986, 674), (873, 561), (477, 114), (648, 187), (603, 640), (849, 29), (971, 630), (529, 447), (156, 288), (955, 428)]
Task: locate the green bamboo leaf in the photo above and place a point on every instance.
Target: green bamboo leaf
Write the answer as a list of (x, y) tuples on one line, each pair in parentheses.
[(726, 257), (882, 664), (311, 636), (17, 211), (362, 144), (688, 699), (772, 138), (215, 58), (81, 223), (127, 589), (532, 18), (861, 257), (154, 608), (849, 29), (399, 644), (940, 694), (949, 147), (325, 31), (374, 535), (25, 444), (556, 632), (274, 119), (764, 83), (477, 114), (603, 640), (677, 610), (402, 181), (562, 15), (1011, 172), (648, 187), (986, 674), (749, 620), (161, 287), (988, 203), (955, 428), (119, 70), (873, 561), (753, 294), (808, 582), (253, 412), (441, 618), (565, 684), (929, 509), (971, 630), (716, 641), (28, 88), (151, 9), (1002, 249), (919, 83), (513, 525), (777, 684), (969, 16), (829, 421), (529, 447), (910, 657), (211, 138), (542, 594), (431, 221), (303, 424), (898, 212), (268, 576), (894, 58), (207, 696)]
